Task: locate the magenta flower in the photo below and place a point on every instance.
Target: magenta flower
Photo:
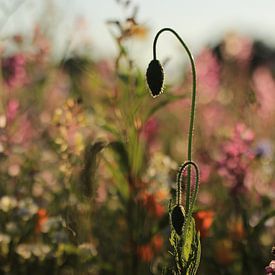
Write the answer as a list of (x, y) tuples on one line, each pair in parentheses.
[(149, 130), (14, 70), (236, 158)]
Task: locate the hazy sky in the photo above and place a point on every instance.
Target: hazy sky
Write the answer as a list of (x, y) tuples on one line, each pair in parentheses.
[(199, 22)]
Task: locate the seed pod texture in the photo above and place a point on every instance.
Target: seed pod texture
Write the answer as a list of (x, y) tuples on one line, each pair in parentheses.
[(155, 77), (178, 218)]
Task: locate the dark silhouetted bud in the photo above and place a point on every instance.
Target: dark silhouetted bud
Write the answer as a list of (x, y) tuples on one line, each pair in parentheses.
[(178, 218), (155, 77)]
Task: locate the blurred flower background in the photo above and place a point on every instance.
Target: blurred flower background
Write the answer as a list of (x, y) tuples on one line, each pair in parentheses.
[(88, 160)]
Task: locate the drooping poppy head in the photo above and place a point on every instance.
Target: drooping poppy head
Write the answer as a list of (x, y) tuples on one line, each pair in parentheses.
[(155, 77)]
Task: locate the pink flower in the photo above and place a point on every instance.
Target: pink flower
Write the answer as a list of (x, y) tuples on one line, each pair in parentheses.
[(14, 70), (208, 73), (23, 133), (270, 269), (149, 130), (265, 91), (12, 109), (236, 158)]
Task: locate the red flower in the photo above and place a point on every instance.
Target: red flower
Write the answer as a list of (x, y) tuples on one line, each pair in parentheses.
[(145, 252), (153, 206), (204, 220), (157, 242), (42, 217)]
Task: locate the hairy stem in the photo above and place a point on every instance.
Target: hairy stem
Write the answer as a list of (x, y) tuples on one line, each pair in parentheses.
[(192, 112)]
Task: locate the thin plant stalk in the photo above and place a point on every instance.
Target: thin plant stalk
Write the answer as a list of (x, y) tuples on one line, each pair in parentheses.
[(192, 112)]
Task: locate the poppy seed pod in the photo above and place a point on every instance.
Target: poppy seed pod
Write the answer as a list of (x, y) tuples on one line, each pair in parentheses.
[(178, 218), (155, 77)]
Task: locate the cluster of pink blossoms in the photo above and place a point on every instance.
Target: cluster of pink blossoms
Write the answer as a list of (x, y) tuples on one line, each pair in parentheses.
[(236, 158)]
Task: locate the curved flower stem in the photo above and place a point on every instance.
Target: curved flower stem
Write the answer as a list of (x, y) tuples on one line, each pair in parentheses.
[(192, 112), (179, 182)]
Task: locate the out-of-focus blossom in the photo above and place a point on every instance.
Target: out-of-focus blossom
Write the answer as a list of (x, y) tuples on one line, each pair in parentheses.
[(138, 31), (129, 29), (261, 181), (238, 48), (23, 133), (149, 130), (151, 203), (14, 169), (42, 217), (14, 70), (3, 121), (213, 117), (157, 242), (7, 203), (236, 158), (159, 168), (204, 220), (264, 149), (71, 124), (264, 86), (205, 198), (208, 74), (205, 171), (39, 250), (12, 109), (145, 252), (270, 269)]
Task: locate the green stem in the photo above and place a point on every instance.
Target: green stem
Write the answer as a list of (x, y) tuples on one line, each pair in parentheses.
[(192, 112), (179, 182)]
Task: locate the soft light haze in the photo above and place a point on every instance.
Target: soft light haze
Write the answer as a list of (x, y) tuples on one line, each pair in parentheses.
[(198, 22)]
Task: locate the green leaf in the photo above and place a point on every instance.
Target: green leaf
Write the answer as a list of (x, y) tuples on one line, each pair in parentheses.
[(187, 248), (188, 239)]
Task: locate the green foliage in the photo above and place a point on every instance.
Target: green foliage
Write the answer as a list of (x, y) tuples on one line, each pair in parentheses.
[(186, 249)]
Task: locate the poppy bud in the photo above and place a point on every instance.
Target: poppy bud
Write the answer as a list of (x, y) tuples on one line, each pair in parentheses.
[(178, 218), (155, 77)]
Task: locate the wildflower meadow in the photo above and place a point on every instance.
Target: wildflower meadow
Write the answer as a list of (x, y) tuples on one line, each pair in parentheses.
[(109, 168)]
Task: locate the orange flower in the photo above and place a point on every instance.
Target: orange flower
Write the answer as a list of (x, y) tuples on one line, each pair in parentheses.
[(157, 242), (145, 252), (42, 217), (150, 202), (204, 220)]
